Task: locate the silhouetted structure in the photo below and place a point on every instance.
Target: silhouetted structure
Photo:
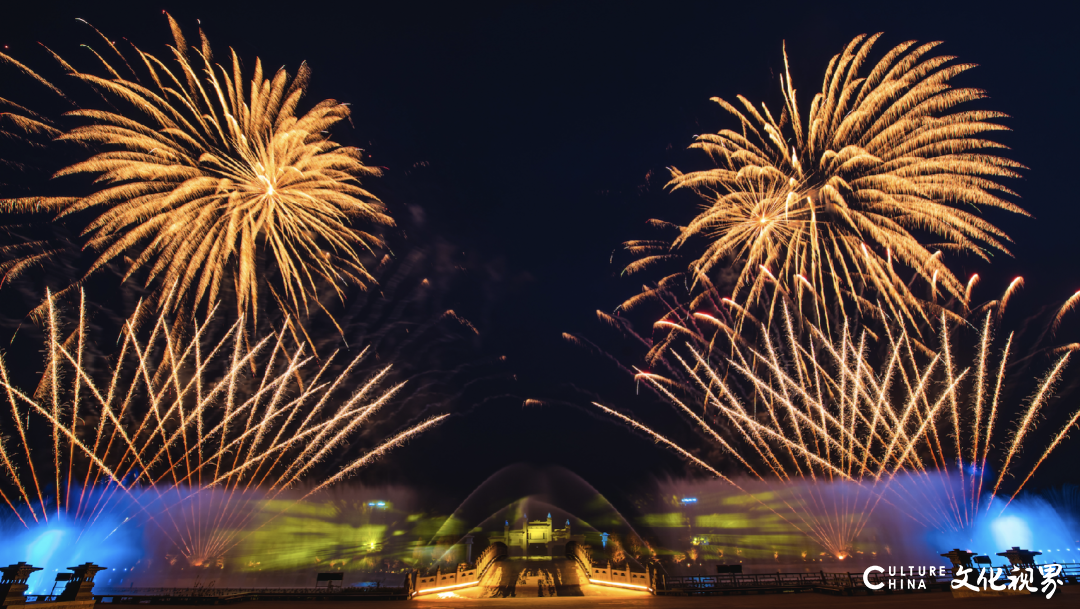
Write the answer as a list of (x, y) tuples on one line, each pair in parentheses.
[(1019, 557), (13, 583), (536, 538), (81, 586)]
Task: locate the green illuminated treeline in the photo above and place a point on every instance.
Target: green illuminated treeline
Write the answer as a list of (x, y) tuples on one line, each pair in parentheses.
[(702, 523), (336, 535), (354, 535)]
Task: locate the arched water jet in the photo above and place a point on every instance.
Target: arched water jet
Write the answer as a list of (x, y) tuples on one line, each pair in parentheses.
[(556, 486)]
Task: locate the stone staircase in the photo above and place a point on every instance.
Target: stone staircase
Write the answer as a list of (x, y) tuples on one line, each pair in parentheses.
[(534, 579)]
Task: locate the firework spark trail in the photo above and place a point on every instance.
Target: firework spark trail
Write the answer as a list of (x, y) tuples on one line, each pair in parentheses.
[(762, 447), (1026, 423), (1069, 305), (832, 412), (1057, 440), (685, 453), (980, 395), (972, 282), (53, 380), (137, 462), (319, 405), (17, 418), (1013, 287), (196, 443), (203, 177), (379, 451), (372, 455), (955, 410), (829, 204), (917, 464), (993, 412)]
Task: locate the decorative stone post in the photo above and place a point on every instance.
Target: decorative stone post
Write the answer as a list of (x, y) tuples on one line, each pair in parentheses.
[(1024, 559), (959, 558), (81, 586), (962, 559), (1020, 558), (13, 583)]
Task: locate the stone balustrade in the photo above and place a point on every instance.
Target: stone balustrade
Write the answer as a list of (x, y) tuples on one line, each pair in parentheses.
[(465, 576)]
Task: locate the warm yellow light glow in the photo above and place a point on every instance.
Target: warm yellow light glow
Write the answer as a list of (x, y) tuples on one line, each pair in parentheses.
[(619, 584), (440, 588)]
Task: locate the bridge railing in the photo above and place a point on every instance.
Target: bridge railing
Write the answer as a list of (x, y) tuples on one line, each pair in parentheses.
[(583, 558), (607, 575), (623, 578), (466, 576), (488, 557)]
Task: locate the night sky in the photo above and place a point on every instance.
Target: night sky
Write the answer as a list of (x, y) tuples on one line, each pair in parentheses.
[(535, 136)]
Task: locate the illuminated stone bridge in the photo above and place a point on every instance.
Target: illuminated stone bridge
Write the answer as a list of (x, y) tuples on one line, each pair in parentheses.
[(535, 560)]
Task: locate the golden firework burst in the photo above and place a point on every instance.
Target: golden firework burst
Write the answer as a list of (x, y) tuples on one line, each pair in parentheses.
[(884, 171), (202, 176)]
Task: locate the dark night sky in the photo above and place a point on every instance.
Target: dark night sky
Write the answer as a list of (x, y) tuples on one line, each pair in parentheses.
[(539, 123)]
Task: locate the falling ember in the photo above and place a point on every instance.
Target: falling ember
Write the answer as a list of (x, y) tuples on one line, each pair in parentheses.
[(1009, 291), (1069, 305), (970, 286)]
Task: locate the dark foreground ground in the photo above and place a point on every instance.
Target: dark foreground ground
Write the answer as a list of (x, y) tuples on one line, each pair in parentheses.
[(1066, 596), (927, 600)]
